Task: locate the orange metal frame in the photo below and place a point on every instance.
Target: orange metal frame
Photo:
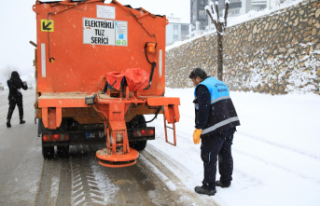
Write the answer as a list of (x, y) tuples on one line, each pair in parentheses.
[(72, 66), (113, 111), (78, 66), (174, 132)]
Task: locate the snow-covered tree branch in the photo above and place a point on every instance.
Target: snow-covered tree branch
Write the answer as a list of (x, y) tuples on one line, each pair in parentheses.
[(220, 25)]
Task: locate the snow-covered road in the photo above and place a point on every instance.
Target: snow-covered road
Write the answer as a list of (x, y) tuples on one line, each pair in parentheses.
[(276, 149), (276, 154), (28, 179)]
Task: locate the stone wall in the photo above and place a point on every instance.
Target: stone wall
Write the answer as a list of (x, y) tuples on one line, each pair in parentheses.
[(276, 54)]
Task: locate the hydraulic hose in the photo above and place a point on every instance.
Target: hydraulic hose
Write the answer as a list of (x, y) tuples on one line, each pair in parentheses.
[(151, 119), (153, 65)]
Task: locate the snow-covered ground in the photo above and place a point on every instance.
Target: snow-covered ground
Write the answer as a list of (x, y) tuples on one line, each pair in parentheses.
[(276, 149)]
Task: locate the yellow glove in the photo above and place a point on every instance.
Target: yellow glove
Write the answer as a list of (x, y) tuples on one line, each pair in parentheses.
[(196, 136)]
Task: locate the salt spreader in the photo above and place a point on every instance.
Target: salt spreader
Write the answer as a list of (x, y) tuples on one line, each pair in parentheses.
[(99, 68)]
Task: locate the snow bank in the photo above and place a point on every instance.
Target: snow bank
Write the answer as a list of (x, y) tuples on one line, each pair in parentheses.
[(276, 149)]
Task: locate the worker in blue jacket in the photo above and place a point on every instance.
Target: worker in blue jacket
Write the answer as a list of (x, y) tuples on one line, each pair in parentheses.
[(215, 123)]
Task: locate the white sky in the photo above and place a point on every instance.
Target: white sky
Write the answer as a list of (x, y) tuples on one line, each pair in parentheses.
[(180, 8), (18, 27)]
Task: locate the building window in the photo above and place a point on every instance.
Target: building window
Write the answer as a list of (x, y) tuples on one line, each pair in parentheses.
[(259, 7), (184, 27), (175, 27), (194, 16), (202, 14), (175, 37), (234, 12)]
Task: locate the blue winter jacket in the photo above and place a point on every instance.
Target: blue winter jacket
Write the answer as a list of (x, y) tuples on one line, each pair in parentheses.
[(217, 113)]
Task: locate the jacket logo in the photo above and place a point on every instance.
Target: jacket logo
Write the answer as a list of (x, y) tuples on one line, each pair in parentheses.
[(220, 85), (222, 90)]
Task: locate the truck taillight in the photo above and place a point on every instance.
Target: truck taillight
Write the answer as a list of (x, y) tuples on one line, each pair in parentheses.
[(64, 137), (143, 132), (55, 137), (46, 138)]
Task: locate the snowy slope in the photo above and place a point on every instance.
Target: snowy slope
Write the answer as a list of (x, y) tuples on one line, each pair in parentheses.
[(276, 149)]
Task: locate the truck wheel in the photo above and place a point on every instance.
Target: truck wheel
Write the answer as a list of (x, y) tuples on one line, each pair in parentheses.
[(138, 120), (48, 152), (138, 145), (63, 151)]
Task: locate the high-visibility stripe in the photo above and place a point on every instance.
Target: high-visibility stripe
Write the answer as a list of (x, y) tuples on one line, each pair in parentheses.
[(160, 62), (43, 60), (220, 98), (220, 124)]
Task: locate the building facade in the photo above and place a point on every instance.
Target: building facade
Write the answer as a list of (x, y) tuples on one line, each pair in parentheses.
[(258, 5), (198, 15), (176, 30), (199, 18)]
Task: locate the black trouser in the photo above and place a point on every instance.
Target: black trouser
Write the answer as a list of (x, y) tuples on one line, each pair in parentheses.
[(13, 101), (213, 146)]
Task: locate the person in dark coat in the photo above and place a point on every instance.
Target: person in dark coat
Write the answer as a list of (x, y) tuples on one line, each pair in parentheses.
[(215, 123), (15, 96)]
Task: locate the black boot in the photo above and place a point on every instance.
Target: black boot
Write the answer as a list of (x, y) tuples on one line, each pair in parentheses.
[(22, 121), (204, 191), (8, 124), (223, 185)]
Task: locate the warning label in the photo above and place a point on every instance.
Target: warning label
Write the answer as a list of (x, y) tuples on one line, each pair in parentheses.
[(121, 33), (107, 12), (47, 25), (105, 32)]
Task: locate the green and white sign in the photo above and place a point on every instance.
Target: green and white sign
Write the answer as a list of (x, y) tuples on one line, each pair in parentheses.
[(121, 33)]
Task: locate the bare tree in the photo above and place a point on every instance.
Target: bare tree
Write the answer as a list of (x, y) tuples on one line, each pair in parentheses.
[(220, 24)]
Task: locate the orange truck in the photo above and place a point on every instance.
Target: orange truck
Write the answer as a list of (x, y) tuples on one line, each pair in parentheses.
[(100, 67)]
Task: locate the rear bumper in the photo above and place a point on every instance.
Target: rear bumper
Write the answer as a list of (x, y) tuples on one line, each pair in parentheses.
[(92, 137), (56, 106)]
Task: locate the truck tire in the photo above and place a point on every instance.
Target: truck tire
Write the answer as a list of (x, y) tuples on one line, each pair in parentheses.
[(63, 151), (138, 145), (40, 126), (47, 152), (137, 120)]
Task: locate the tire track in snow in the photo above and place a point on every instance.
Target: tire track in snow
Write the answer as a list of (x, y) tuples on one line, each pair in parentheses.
[(176, 166), (280, 146), (64, 194), (85, 189), (310, 179), (242, 180), (159, 164), (44, 196)]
